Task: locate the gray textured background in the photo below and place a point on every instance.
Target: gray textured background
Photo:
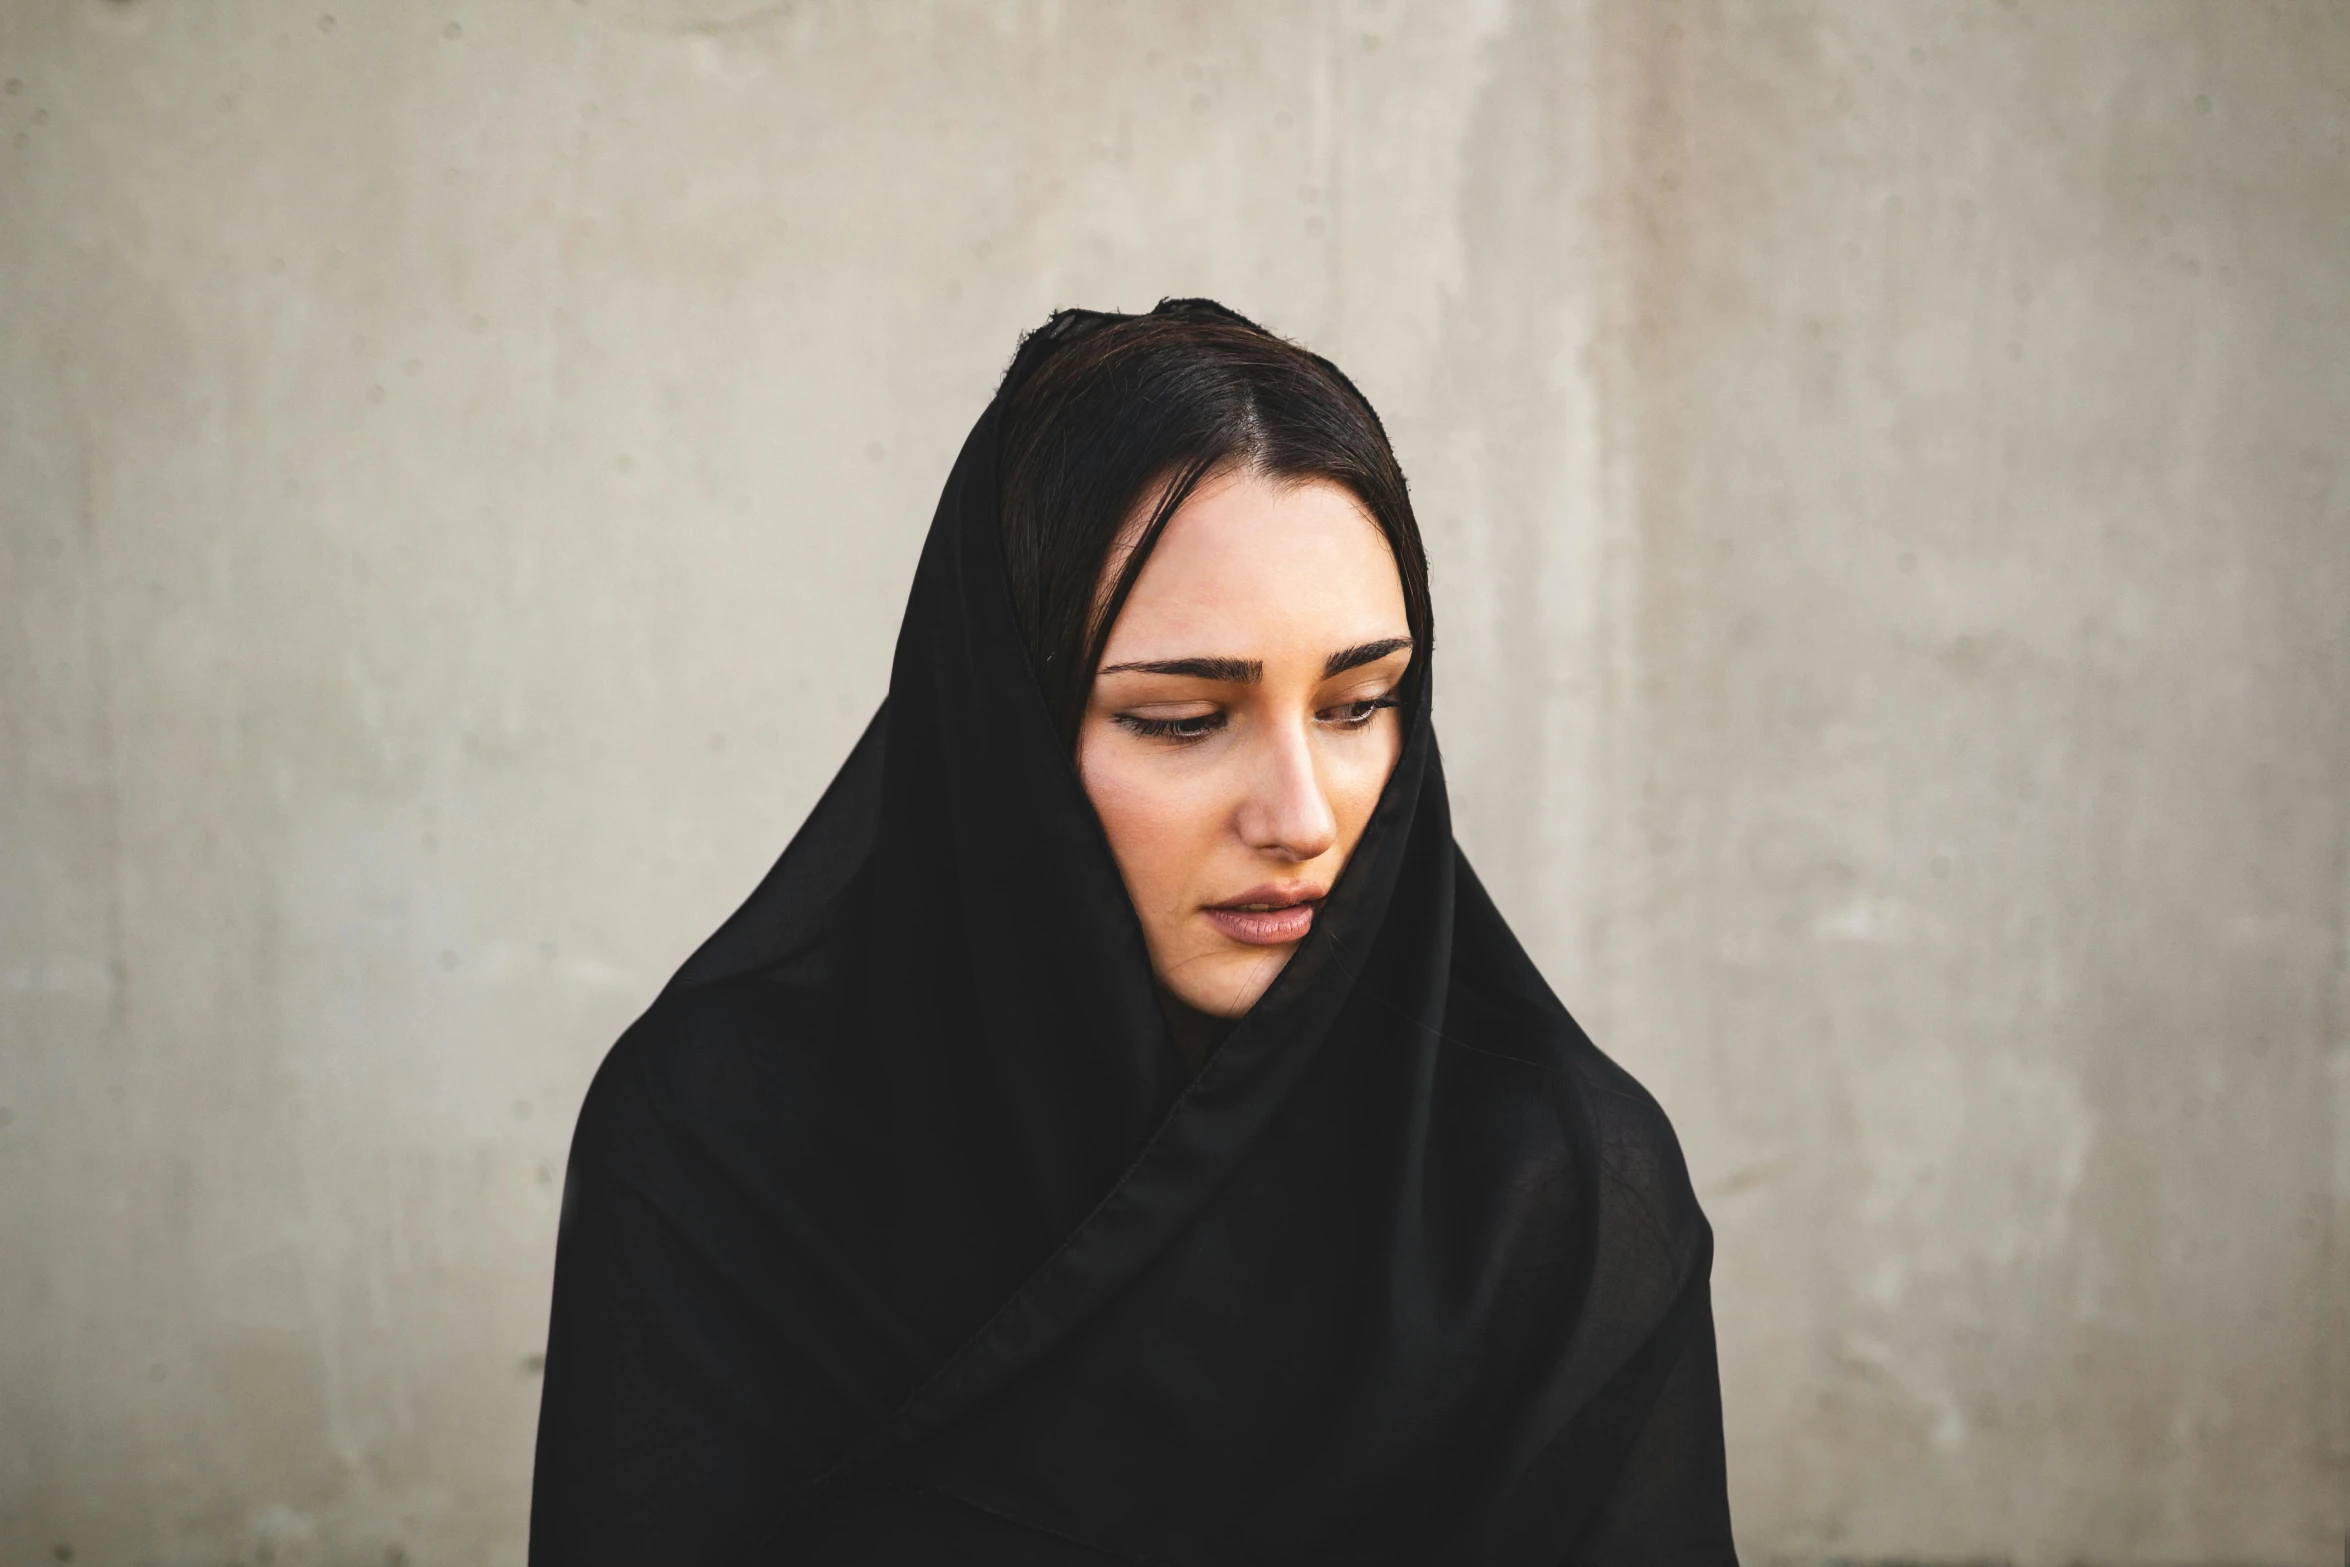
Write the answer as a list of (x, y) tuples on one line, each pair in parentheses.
[(1884, 464)]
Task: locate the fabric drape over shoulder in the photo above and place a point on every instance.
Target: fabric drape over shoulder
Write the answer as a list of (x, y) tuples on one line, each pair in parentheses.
[(896, 1231)]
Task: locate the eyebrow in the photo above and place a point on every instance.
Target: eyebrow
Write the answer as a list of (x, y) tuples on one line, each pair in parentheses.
[(1251, 671), (1362, 653), (1235, 671)]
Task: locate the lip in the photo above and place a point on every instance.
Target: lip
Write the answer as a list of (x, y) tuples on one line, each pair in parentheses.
[(1267, 916)]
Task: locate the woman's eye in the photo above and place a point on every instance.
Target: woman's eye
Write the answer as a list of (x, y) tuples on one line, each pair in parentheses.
[(1354, 715), (1197, 727)]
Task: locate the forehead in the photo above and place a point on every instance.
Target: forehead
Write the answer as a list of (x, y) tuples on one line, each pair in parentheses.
[(1248, 565)]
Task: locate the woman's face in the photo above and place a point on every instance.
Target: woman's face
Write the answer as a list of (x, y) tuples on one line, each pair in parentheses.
[(1240, 728)]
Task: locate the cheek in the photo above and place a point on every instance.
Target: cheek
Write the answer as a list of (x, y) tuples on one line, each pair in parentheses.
[(1356, 780), (1159, 822)]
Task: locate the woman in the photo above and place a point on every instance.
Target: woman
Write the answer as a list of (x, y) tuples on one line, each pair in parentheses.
[(1120, 1128)]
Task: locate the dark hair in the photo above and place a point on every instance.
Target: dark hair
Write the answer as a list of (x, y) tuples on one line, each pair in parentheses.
[(1105, 411)]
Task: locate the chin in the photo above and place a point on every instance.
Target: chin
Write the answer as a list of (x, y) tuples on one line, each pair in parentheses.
[(1237, 983)]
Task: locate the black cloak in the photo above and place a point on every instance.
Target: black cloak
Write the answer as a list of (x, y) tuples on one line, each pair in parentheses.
[(896, 1231)]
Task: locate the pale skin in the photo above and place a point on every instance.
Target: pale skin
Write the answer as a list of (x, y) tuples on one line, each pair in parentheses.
[(1240, 729)]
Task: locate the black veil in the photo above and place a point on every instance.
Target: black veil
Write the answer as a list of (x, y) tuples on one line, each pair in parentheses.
[(897, 1231)]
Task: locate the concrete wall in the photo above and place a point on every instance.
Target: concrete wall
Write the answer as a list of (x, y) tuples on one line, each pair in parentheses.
[(1884, 463)]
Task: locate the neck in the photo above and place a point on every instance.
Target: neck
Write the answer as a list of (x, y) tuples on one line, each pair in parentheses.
[(1196, 1032)]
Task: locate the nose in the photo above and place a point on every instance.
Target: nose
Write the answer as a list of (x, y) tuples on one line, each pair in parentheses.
[(1286, 811)]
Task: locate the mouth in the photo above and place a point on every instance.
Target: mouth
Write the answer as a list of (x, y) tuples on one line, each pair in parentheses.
[(1267, 916)]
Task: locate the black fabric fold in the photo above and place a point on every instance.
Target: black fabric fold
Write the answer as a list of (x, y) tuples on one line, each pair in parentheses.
[(896, 1229)]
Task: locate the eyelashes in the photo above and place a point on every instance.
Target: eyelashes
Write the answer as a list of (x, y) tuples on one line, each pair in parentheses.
[(1357, 713), (1186, 731), (1178, 729)]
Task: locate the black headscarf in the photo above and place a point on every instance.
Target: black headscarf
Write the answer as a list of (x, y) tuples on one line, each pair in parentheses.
[(896, 1231)]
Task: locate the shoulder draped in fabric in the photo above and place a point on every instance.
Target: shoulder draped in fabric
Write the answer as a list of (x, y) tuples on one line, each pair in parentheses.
[(896, 1231)]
